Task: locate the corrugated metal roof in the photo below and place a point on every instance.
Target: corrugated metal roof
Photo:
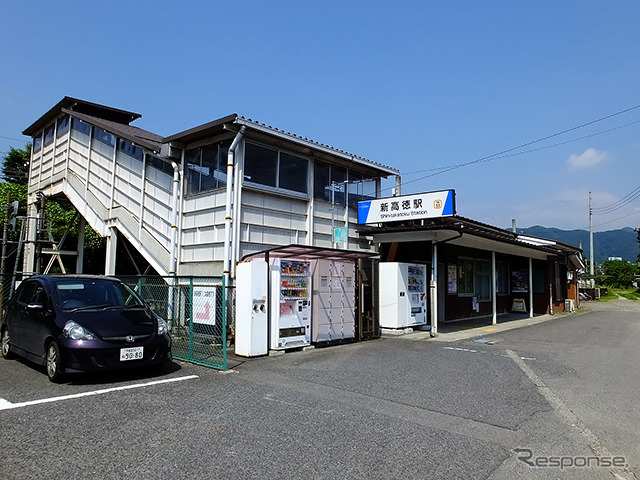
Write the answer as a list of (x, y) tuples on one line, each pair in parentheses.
[(117, 121), (215, 127), (249, 123)]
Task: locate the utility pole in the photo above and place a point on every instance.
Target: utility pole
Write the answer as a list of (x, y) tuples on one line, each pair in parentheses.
[(593, 282)]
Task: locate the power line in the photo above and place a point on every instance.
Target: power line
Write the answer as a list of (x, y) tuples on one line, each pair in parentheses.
[(624, 201), (615, 220), (524, 145), (546, 147)]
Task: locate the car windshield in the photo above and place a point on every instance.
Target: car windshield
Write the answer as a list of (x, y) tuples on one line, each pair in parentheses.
[(80, 293)]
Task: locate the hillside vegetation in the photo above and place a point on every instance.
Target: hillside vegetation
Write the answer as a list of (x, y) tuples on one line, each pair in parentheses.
[(613, 243)]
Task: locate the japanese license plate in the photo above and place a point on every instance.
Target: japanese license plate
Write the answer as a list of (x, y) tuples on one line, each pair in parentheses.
[(132, 353)]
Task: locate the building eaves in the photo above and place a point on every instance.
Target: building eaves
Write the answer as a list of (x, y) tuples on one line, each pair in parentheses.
[(315, 145), (81, 106), (217, 126), (202, 131), (472, 227), (136, 135)]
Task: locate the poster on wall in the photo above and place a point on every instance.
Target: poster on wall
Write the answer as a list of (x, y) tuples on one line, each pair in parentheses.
[(452, 279), (520, 281)]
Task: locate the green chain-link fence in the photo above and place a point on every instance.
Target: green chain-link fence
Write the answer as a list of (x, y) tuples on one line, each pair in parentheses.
[(196, 311)]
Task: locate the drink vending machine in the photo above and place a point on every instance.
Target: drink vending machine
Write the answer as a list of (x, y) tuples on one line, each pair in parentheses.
[(290, 304), (403, 299), (251, 309)]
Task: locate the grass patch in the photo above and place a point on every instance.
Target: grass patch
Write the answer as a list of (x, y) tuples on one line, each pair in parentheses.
[(615, 293)]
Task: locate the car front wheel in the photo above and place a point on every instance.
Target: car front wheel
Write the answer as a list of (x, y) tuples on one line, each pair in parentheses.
[(6, 349), (55, 372)]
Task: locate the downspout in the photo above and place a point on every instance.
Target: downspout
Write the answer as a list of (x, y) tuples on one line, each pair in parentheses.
[(227, 218), (174, 218), (174, 238)]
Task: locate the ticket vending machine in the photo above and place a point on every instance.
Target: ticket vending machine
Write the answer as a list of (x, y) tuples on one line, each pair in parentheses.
[(251, 309)]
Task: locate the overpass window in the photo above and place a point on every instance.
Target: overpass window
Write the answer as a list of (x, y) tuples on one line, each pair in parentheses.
[(274, 168), (48, 134), (128, 148), (206, 167), (63, 125), (80, 126)]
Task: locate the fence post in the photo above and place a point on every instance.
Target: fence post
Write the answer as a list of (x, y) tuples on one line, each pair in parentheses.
[(191, 318), (224, 324)]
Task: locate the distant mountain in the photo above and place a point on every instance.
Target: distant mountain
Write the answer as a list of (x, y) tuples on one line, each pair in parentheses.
[(613, 243)]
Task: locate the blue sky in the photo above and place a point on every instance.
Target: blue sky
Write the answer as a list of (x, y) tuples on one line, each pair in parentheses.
[(414, 85)]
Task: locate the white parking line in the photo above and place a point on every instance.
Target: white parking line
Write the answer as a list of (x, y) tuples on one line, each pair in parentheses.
[(6, 405), (469, 350)]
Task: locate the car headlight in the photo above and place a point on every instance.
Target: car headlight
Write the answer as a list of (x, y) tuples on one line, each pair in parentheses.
[(77, 332), (162, 326)]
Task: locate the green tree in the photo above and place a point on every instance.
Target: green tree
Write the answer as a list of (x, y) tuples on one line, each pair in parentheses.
[(638, 237), (618, 273), (15, 165)]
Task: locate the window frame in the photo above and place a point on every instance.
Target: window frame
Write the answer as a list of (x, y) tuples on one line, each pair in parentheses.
[(462, 272), (505, 276), (276, 188)]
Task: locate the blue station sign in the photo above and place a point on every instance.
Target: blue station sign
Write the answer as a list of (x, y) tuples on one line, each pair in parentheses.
[(407, 207)]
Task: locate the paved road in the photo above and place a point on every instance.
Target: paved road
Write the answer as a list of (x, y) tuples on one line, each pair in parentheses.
[(551, 393)]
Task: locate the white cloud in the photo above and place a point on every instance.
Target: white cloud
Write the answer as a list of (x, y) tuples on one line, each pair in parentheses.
[(588, 159)]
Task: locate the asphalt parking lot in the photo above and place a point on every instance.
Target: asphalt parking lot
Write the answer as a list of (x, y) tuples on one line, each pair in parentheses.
[(493, 405)]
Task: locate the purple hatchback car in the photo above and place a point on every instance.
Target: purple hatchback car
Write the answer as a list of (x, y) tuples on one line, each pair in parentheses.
[(79, 323)]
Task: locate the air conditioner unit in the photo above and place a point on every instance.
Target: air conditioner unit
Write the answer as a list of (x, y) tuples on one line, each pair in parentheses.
[(569, 305)]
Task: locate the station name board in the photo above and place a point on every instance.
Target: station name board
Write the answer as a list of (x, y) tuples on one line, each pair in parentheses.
[(407, 207)]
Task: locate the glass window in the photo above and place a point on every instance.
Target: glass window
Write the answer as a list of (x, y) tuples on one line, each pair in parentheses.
[(206, 167), (465, 276), (63, 125), (483, 279), (37, 143), (194, 169), (209, 164), (321, 182), (360, 188), (159, 164), (128, 148), (293, 173), (502, 278), (48, 134), (260, 165), (26, 292), (104, 137), (81, 126)]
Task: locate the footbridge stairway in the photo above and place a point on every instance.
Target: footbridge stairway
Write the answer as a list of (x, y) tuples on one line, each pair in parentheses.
[(115, 187)]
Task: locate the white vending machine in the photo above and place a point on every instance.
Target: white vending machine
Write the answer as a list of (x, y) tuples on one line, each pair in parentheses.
[(290, 304), (403, 294), (251, 309)]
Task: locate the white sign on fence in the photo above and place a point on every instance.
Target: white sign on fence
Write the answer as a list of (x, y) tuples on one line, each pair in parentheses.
[(204, 305)]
